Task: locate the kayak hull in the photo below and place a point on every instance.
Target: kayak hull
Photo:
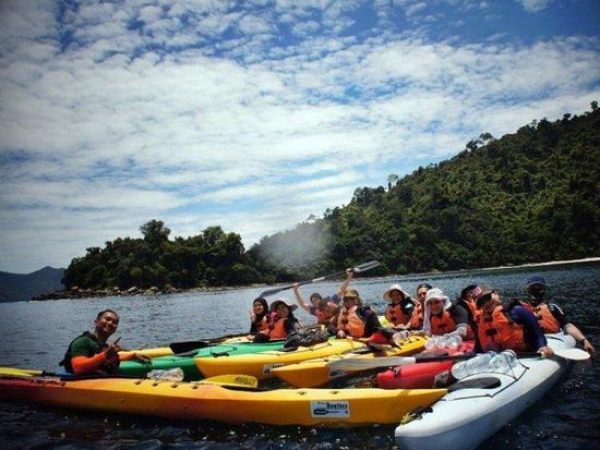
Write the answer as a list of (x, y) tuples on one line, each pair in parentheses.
[(261, 365), (195, 401), (187, 364), (465, 418), (416, 376), (316, 372)]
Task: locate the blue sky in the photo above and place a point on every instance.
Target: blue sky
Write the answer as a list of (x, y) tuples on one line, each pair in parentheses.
[(256, 114)]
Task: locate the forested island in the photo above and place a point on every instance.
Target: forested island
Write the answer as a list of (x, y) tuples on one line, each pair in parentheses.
[(526, 197)]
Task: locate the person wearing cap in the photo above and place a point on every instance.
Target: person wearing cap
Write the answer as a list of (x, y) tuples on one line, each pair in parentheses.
[(354, 319), (512, 327), (280, 321), (416, 320), (441, 317), (400, 306), (550, 316)]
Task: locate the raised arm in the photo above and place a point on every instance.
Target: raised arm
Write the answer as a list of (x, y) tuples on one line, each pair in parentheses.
[(345, 284), (305, 306)]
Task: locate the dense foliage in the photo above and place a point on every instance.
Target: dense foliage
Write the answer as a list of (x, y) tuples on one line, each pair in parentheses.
[(527, 197)]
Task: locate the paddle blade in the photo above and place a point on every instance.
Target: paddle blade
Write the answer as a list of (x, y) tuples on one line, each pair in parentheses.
[(188, 346), (16, 372), (366, 266), (572, 354), (360, 364), (236, 381)]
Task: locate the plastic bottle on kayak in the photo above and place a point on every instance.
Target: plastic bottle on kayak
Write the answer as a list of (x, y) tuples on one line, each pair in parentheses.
[(472, 366), (174, 374), (451, 343), (504, 362)]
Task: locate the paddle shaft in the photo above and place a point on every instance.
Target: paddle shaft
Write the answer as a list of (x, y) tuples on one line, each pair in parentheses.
[(360, 268)]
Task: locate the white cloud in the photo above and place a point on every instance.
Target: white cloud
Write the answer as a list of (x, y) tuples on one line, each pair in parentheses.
[(231, 130), (533, 6)]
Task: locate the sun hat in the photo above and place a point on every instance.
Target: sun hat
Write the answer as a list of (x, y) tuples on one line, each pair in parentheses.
[(282, 301), (437, 294), (394, 287)]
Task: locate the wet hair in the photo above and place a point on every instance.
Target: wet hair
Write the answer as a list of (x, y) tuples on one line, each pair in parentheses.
[(101, 313)]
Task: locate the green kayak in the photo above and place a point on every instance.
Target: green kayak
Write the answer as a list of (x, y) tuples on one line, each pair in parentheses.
[(185, 361)]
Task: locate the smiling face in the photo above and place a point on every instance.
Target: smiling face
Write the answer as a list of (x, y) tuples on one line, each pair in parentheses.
[(106, 325), (282, 310), (396, 296), (436, 305), (258, 308), (421, 293)]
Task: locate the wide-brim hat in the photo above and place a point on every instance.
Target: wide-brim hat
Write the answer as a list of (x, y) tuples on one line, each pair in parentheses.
[(279, 301), (437, 294), (394, 287)]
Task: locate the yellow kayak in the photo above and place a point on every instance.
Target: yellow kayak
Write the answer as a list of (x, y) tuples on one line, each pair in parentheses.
[(315, 372), (261, 364), (196, 401)]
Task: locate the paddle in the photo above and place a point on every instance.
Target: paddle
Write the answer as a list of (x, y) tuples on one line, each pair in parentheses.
[(359, 364), (186, 346), (233, 381), (358, 269)]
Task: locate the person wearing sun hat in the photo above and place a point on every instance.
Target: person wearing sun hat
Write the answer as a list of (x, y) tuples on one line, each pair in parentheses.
[(354, 319), (440, 317), (280, 321), (400, 306), (550, 316)]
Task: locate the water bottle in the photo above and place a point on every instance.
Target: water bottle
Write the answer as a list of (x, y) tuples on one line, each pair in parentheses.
[(400, 336), (434, 343), (453, 343), (478, 364), (175, 374), (504, 362)]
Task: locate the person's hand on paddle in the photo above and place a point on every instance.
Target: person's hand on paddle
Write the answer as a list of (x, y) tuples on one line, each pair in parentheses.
[(341, 334), (545, 351), (588, 347), (141, 358)]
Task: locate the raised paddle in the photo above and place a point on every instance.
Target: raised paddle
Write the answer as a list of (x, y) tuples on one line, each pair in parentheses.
[(358, 269)]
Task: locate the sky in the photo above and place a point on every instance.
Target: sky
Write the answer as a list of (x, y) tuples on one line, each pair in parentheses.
[(256, 115)]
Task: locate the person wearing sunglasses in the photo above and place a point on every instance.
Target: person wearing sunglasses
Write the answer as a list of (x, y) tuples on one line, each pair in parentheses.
[(550, 316)]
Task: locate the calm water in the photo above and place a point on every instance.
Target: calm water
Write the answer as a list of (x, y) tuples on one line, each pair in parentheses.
[(35, 335)]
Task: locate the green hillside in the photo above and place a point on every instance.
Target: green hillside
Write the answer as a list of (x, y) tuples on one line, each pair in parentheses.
[(530, 196)]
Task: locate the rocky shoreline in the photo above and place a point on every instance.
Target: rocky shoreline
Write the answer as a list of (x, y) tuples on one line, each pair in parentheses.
[(75, 292)]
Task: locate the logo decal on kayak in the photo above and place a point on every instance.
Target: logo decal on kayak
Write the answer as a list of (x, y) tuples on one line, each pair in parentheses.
[(329, 409), (268, 367)]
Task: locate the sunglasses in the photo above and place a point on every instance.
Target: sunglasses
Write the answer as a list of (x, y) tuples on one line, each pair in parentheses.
[(349, 298)]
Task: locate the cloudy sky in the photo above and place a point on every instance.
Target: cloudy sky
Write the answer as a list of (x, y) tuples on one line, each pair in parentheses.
[(255, 114)]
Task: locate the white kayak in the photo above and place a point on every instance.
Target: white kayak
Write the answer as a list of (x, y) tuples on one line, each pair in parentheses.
[(463, 419)]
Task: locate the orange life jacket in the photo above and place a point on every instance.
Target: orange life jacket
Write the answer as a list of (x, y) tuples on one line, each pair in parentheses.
[(547, 321), (499, 332), (323, 317), (350, 323), (442, 323), (395, 314), (276, 328), (263, 325), (416, 320)]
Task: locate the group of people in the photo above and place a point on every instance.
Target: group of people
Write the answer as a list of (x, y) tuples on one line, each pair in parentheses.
[(479, 314)]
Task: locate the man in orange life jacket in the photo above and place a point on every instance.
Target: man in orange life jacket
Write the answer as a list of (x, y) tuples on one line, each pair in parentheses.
[(550, 317), (354, 319), (512, 327)]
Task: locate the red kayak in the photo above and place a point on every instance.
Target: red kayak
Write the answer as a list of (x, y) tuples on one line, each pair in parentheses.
[(421, 375)]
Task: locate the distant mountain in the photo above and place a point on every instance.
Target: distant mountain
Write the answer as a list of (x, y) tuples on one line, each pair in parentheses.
[(19, 287)]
